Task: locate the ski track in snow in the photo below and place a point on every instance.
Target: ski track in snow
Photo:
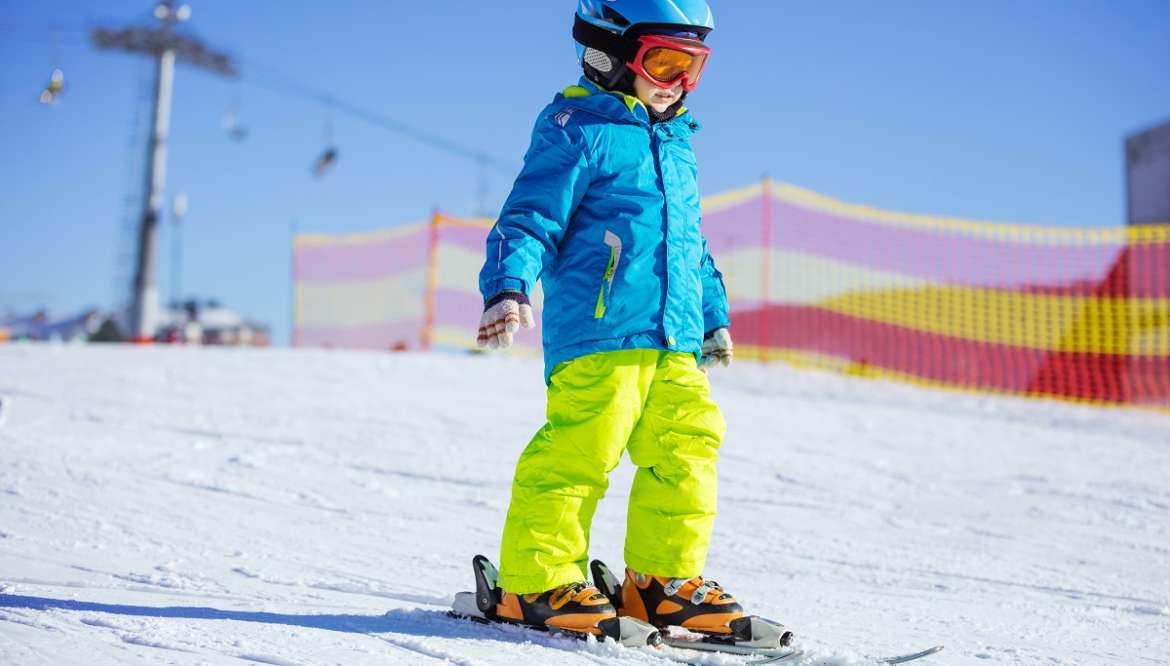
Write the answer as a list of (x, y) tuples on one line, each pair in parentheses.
[(195, 506)]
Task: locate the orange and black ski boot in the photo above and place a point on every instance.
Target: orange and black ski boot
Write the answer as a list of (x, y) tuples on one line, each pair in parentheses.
[(577, 610), (576, 607), (697, 605)]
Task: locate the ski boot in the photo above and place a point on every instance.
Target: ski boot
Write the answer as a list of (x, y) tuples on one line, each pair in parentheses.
[(577, 607), (694, 604), (577, 610)]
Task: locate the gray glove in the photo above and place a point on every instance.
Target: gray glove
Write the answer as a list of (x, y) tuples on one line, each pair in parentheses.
[(717, 348)]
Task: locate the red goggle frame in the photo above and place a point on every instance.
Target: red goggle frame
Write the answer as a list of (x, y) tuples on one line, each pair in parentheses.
[(666, 61)]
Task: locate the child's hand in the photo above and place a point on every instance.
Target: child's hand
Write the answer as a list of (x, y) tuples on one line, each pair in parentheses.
[(503, 315), (717, 348)]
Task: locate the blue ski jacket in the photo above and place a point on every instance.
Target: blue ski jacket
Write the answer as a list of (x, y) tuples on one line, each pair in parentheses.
[(605, 212)]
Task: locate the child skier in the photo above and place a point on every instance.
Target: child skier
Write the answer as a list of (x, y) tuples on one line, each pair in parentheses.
[(606, 213)]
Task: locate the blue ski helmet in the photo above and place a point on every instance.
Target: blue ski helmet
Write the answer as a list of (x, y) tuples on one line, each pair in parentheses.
[(601, 56)]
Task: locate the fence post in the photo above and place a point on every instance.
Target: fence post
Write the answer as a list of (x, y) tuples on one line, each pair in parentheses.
[(765, 266), (432, 281)]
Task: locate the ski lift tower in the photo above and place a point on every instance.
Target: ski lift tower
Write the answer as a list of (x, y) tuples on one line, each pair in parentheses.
[(164, 45)]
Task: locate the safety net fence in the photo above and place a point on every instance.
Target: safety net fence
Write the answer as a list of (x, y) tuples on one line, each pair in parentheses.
[(413, 287), (1073, 313)]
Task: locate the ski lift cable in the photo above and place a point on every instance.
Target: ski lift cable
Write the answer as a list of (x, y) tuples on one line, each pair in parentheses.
[(273, 82), (270, 80)]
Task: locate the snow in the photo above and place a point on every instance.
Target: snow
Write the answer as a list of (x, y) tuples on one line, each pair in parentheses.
[(184, 506)]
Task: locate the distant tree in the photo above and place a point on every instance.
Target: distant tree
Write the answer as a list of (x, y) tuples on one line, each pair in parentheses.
[(108, 332)]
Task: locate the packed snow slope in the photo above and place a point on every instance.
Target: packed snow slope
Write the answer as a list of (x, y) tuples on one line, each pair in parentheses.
[(192, 506)]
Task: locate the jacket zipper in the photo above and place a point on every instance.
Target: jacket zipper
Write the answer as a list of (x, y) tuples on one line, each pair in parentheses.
[(655, 144)]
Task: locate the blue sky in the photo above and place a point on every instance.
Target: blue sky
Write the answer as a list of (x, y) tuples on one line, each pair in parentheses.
[(998, 110)]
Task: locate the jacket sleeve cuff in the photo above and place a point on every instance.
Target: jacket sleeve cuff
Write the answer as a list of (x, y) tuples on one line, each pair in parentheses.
[(711, 332), (517, 296), (495, 286), (712, 325)]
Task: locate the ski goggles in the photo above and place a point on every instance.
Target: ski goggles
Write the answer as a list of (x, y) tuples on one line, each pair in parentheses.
[(667, 61)]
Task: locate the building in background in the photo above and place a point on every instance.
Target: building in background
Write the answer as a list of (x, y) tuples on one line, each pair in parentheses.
[(1147, 175), (192, 322), (209, 323), (41, 325)]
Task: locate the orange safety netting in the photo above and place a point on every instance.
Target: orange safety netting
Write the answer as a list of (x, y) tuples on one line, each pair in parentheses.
[(1082, 314)]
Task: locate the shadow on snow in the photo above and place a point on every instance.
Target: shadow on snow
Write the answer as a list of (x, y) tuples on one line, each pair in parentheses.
[(414, 622)]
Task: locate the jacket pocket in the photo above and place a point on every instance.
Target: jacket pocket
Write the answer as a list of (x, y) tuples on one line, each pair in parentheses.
[(605, 293)]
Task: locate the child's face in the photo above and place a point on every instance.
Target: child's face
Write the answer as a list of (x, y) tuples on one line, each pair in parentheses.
[(655, 97)]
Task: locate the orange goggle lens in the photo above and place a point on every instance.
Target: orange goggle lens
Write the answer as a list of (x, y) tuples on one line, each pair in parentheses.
[(666, 65)]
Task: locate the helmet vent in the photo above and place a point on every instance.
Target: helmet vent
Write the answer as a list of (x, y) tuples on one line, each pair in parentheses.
[(598, 60)]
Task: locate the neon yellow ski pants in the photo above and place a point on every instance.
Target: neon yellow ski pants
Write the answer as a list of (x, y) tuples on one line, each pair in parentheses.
[(657, 405)]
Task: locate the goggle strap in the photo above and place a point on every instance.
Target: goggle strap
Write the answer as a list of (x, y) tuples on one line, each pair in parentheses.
[(603, 40)]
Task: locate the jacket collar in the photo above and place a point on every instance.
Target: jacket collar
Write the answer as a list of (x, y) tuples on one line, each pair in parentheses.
[(620, 107)]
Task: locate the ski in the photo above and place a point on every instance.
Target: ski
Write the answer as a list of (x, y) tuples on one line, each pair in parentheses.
[(755, 655), (752, 636), (759, 656), (675, 650)]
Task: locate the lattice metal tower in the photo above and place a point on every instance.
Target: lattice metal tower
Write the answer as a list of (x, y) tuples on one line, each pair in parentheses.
[(165, 46)]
